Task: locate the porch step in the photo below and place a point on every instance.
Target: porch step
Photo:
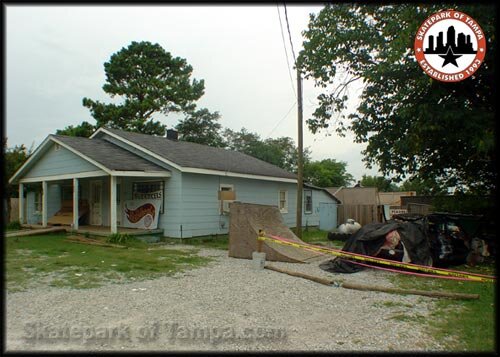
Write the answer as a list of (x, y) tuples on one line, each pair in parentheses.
[(107, 233)]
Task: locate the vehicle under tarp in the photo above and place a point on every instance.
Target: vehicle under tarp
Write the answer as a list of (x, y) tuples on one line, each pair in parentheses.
[(395, 240)]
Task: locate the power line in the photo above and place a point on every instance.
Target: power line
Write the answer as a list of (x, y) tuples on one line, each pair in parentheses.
[(279, 122), (290, 35), (286, 52)]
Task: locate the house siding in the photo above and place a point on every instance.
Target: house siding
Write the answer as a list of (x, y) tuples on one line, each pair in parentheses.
[(59, 162), (191, 200), (53, 199), (201, 207), (313, 219), (53, 203), (31, 217)]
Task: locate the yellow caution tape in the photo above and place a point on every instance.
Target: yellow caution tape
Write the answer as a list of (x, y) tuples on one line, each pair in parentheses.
[(348, 255)]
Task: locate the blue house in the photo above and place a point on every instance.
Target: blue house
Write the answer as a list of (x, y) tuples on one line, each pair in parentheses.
[(119, 179)]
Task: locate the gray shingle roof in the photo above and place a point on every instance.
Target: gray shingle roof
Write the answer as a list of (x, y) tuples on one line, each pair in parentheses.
[(109, 155), (186, 154), (324, 189)]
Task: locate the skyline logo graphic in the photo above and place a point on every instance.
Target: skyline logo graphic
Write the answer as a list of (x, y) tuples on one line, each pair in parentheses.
[(450, 46)]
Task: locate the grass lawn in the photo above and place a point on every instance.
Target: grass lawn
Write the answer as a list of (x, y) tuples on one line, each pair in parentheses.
[(51, 260), (462, 325), (316, 236)]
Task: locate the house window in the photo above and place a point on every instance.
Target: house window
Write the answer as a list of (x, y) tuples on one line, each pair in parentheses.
[(38, 201), (149, 190), (226, 196), (283, 201), (308, 201)]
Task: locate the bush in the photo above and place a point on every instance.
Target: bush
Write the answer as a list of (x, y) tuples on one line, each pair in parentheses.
[(14, 226), (118, 238)]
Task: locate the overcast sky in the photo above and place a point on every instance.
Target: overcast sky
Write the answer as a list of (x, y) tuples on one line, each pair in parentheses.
[(55, 57)]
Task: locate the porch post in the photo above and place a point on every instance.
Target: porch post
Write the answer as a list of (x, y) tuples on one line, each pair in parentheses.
[(75, 204), (112, 211), (21, 203), (44, 203)]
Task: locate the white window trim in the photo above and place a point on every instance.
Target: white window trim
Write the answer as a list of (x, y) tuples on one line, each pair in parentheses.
[(305, 210), (284, 209)]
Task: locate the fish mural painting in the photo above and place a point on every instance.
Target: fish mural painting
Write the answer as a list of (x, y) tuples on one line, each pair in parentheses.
[(141, 214)]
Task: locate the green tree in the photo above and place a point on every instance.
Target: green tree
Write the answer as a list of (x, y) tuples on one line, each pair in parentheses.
[(284, 153), (85, 129), (281, 152), (380, 182), (150, 81), (201, 127), (243, 141), (14, 158), (421, 187), (412, 125), (327, 173)]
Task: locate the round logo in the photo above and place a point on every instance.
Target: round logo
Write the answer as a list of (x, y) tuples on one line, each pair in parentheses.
[(148, 219), (450, 46)]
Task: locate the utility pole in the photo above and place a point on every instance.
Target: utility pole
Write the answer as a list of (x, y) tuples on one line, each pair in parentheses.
[(300, 160)]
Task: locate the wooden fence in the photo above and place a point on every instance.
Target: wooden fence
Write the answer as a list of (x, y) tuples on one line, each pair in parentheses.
[(14, 209), (419, 208), (363, 214)]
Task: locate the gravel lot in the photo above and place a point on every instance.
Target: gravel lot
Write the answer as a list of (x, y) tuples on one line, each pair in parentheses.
[(227, 305)]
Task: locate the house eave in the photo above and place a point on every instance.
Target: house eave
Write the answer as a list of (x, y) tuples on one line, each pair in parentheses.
[(195, 170), (38, 151), (141, 173), (85, 174)]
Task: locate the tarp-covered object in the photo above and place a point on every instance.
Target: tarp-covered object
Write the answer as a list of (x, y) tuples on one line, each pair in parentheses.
[(371, 239)]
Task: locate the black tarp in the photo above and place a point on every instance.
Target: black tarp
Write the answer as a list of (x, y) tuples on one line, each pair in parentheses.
[(371, 237)]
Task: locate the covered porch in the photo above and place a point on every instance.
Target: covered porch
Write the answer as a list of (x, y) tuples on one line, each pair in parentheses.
[(94, 204), (74, 181)]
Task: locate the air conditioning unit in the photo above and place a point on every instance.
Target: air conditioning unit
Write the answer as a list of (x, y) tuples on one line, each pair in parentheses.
[(225, 198)]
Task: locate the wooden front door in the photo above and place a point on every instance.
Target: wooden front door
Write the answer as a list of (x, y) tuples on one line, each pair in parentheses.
[(96, 203)]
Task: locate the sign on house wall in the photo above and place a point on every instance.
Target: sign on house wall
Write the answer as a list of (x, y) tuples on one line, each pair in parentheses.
[(149, 190), (141, 213)]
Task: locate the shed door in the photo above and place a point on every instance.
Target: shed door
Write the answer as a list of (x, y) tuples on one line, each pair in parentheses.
[(96, 203), (327, 216)]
